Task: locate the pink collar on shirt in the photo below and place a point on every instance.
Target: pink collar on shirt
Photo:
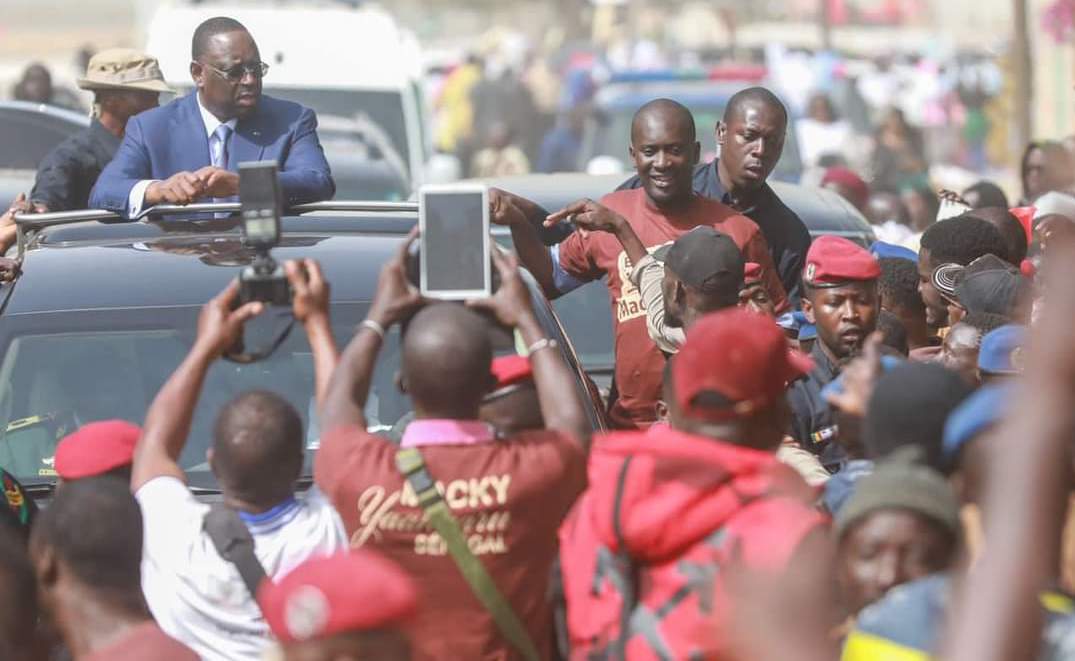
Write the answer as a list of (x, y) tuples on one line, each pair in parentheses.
[(447, 432)]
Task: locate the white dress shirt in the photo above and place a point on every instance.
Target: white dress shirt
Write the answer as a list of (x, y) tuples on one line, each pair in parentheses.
[(138, 192)]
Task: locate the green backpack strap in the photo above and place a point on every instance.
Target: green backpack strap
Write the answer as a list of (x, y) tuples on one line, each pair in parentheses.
[(409, 461)]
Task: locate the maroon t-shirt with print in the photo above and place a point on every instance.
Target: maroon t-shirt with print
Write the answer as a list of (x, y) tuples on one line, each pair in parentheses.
[(509, 496), (145, 641)]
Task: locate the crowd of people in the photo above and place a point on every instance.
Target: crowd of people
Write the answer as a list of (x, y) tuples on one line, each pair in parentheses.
[(819, 449)]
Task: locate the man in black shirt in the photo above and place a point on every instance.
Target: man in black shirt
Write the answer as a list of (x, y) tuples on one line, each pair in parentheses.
[(124, 83), (751, 138)]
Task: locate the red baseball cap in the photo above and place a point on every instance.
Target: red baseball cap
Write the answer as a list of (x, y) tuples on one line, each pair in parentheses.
[(833, 261), (96, 448), (739, 355), (510, 370), (351, 591)]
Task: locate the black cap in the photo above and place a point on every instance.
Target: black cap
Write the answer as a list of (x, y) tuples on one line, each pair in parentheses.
[(706, 260), (989, 284)]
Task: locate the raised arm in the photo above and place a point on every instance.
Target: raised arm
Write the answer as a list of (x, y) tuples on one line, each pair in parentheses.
[(169, 418), (557, 394), (310, 305), (395, 300)]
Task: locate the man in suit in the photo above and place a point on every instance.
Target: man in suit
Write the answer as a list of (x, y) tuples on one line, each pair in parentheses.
[(190, 149)]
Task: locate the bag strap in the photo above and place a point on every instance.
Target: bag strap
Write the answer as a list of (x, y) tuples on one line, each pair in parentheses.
[(235, 544), (630, 583), (410, 463)]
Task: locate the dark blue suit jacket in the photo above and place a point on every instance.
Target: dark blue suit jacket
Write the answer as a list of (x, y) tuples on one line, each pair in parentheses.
[(163, 141)]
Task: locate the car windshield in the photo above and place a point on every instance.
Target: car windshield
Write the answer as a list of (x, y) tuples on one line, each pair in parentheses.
[(51, 382), (610, 136)]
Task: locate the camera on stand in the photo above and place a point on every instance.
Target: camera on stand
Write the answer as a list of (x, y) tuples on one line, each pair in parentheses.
[(261, 205)]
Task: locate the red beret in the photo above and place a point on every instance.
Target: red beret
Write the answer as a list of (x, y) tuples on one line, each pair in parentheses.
[(751, 273), (833, 260), (852, 183), (740, 355), (96, 448), (510, 370), (351, 591)]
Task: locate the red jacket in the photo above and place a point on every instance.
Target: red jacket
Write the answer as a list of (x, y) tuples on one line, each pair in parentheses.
[(684, 504)]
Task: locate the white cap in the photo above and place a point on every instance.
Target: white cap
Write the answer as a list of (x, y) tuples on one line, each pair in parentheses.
[(1055, 203)]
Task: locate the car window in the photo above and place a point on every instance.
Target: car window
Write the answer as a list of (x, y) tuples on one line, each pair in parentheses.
[(586, 315), (51, 382), (29, 136)]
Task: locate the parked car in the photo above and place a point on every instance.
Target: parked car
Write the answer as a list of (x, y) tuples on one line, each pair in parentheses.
[(28, 132), (98, 320), (586, 311), (608, 128)]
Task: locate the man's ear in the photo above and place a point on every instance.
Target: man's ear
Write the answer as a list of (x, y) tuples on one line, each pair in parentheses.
[(696, 157), (631, 152), (808, 310), (721, 131), (679, 293), (46, 567), (197, 71)]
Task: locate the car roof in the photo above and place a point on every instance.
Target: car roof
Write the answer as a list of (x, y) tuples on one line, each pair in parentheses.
[(821, 210), (95, 265)]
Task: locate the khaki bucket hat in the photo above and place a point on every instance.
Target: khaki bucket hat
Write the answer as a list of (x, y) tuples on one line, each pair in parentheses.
[(123, 69)]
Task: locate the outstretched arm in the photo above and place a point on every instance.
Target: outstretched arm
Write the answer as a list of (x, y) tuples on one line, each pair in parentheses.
[(169, 418), (515, 213), (349, 387)]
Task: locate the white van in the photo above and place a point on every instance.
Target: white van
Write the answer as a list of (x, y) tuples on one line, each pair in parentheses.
[(345, 62)]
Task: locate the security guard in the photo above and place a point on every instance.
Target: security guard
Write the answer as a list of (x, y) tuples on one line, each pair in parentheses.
[(840, 299), (124, 82)]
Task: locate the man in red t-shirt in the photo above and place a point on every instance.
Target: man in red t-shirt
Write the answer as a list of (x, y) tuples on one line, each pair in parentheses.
[(670, 512), (665, 150), (509, 495), (87, 553)]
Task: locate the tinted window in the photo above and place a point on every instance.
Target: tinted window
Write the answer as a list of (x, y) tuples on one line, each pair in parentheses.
[(52, 382), (29, 136)]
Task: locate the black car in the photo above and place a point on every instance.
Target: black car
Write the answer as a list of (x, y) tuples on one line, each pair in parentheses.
[(586, 312), (104, 311), (28, 132)]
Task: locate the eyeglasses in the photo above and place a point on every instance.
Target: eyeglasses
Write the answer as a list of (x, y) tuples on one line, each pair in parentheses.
[(236, 73)]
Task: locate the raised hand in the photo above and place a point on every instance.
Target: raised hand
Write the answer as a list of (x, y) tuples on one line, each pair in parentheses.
[(589, 216), (396, 298), (310, 290), (511, 303), (220, 324)]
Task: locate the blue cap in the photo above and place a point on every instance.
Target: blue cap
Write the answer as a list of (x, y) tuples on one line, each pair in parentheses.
[(882, 250), (797, 321), (836, 386), (1000, 350), (974, 415)]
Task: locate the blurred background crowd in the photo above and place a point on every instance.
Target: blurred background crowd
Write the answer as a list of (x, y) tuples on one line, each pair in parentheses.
[(906, 93)]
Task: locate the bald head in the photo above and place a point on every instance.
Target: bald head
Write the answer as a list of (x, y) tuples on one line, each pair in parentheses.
[(446, 358), (754, 96), (671, 116), (257, 448)]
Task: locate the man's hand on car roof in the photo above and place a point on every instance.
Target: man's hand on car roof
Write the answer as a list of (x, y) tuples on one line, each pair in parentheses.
[(218, 182), (180, 188)]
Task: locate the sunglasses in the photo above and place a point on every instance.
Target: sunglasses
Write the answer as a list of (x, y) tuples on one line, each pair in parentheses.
[(236, 73)]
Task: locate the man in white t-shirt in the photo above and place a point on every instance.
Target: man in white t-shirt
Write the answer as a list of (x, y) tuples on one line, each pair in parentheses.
[(256, 456)]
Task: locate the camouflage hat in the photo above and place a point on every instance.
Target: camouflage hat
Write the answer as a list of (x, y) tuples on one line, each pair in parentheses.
[(123, 69)]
